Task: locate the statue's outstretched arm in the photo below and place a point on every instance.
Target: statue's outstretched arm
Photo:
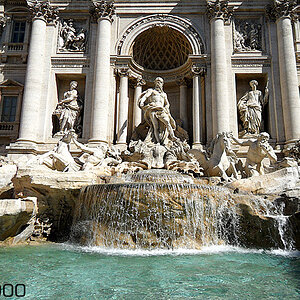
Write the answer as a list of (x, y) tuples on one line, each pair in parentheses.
[(82, 147), (143, 97), (240, 142)]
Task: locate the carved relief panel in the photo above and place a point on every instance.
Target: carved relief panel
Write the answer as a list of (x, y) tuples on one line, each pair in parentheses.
[(247, 35), (72, 35)]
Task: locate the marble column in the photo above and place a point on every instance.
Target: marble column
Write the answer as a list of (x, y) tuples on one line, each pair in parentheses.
[(42, 14), (217, 12), (183, 103), (137, 112), (197, 108), (123, 107), (283, 13), (103, 12)]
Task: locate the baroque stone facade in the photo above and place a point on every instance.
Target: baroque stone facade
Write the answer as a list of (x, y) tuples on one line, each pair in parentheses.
[(207, 52)]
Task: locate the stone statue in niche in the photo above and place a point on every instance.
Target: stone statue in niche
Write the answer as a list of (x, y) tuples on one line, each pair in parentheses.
[(250, 108), (67, 109), (247, 36), (259, 148), (70, 38), (156, 108)]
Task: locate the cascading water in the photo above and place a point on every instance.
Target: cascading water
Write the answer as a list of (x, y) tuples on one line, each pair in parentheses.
[(164, 209), (269, 209), (171, 212)]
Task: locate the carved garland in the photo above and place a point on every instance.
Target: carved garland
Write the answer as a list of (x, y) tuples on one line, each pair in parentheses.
[(161, 18)]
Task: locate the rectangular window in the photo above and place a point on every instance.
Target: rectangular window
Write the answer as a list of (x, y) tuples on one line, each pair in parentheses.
[(9, 108), (18, 32)]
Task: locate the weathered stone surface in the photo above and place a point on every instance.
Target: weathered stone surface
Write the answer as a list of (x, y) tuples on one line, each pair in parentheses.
[(15, 215), (56, 192), (7, 172), (276, 182)]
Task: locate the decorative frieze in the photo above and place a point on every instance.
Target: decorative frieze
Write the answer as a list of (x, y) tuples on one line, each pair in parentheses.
[(247, 35), (72, 38), (43, 10), (282, 8), (103, 9), (218, 9)]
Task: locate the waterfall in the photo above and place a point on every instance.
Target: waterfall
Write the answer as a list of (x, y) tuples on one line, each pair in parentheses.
[(165, 209), (269, 209)]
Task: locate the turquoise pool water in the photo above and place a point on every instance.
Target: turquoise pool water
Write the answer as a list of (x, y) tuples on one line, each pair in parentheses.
[(68, 272)]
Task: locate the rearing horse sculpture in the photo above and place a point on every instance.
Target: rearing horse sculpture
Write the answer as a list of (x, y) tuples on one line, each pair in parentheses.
[(221, 161)]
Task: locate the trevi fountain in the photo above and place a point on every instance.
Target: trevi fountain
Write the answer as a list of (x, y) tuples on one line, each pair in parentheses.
[(165, 210)]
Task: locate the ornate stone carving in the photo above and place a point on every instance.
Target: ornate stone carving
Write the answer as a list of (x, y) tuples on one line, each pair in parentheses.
[(42, 10), (122, 71), (71, 38), (247, 35), (60, 158), (101, 156), (67, 109), (250, 108), (198, 70), (259, 148), (140, 81), (103, 9), (155, 105), (218, 9), (162, 20), (282, 8), (219, 160)]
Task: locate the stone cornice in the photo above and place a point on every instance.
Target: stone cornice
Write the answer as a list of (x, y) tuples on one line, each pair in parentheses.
[(282, 8), (42, 10), (218, 9), (103, 9)]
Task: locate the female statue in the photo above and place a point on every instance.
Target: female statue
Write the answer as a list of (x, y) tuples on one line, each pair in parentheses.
[(68, 109), (250, 108)]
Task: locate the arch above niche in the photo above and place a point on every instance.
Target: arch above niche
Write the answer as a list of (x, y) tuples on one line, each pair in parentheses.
[(179, 24)]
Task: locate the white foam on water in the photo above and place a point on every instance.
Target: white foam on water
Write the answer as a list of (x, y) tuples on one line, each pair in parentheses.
[(215, 249)]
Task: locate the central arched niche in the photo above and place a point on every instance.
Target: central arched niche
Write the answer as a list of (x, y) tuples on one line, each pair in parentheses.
[(160, 48)]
